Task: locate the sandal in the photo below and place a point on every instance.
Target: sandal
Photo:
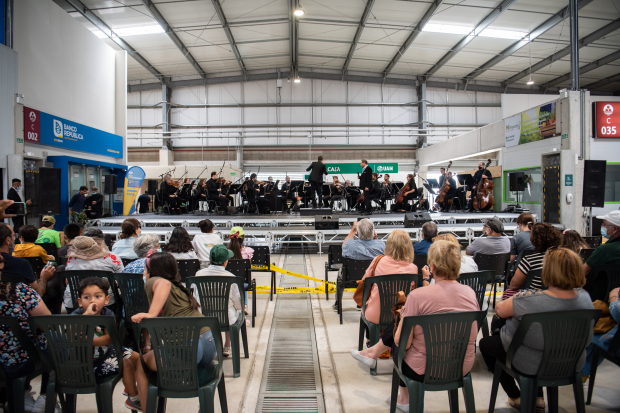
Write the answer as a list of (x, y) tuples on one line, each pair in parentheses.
[(226, 352)]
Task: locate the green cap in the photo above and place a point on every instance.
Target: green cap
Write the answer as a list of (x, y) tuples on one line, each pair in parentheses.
[(220, 254), (239, 230)]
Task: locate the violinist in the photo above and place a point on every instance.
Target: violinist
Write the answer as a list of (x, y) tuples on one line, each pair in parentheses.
[(214, 192), (481, 173), (168, 190), (408, 196), (289, 194), (253, 188), (336, 192), (375, 192), (386, 188), (445, 207)]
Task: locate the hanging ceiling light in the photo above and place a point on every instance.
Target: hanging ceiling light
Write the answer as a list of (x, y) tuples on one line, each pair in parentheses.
[(299, 11), (530, 82), (297, 79)]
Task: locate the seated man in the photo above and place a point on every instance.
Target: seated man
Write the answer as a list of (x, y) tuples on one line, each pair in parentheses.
[(494, 243), (71, 232), (429, 231), (47, 233), (606, 254)]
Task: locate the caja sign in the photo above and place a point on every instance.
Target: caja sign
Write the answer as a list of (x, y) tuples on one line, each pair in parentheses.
[(45, 129), (606, 119)]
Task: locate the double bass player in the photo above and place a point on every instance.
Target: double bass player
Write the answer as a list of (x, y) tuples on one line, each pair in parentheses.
[(481, 173)]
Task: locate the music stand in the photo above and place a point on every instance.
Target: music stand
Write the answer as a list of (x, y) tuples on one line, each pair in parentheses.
[(433, 183)]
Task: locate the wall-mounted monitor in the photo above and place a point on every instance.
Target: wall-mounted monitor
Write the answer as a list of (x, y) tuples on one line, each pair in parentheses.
[(606, 119)]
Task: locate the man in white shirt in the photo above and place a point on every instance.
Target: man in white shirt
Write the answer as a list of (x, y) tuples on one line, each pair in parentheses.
[(204, 242), (219, 256)]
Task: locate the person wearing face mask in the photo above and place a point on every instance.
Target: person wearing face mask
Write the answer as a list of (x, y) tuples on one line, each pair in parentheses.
[(94, 204), (13, 195), (123, 248), (481, 173), (605, 254), (493, 243)]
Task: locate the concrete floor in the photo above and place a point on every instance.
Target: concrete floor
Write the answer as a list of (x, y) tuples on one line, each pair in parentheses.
[(348, 385)]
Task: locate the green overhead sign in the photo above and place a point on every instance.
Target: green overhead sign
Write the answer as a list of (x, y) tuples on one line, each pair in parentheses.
[(353, 168)]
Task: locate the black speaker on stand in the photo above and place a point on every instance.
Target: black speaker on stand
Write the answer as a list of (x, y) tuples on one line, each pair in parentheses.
[(517, 184), (152, 183), (416, 219), (49, 191), (593, 186), (109, 184)]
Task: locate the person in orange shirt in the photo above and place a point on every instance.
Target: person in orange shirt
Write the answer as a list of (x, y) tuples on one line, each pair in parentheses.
[(28, 234)]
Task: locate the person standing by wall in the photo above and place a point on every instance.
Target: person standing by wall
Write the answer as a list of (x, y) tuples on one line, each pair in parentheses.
[(94, 204), (13, 195), (77, 202)]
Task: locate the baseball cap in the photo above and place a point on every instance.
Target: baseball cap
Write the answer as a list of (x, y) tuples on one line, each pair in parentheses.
[(220, 254), (49, 218), (239, 230), (612, 217), (495, 224)]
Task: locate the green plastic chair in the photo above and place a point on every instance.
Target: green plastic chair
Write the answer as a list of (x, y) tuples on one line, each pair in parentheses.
[(446, 337), (130, 294), (565, 336), (70, 340), (213, 293), (175, 345), (478, 281), (609, 354), (389, 286), (15, 388), (73, 279), (530, 277), (351, 271)]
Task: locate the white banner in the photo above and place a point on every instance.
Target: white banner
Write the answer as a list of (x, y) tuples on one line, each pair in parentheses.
[(513, 130)]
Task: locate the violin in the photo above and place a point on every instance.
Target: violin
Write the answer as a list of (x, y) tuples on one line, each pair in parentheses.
[(445, 188)]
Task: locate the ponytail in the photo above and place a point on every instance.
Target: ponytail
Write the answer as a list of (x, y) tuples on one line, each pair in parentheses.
[(164, 265), (526, 219), (236, 243)]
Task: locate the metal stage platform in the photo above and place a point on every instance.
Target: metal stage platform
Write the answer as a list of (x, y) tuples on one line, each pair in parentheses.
[(283, 229)]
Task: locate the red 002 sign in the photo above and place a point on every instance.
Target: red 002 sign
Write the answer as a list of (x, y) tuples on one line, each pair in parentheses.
[(606, 119)]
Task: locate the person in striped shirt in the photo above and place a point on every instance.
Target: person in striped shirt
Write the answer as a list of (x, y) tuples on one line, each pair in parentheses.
[(543, 237)]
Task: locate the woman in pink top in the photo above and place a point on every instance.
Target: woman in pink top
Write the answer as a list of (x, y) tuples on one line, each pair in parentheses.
[(445, 296)]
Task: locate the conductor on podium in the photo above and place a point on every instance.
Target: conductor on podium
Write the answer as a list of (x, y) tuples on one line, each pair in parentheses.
[(316, 180)]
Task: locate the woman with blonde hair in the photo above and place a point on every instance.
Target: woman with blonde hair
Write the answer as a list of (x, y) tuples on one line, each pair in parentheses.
[(398, 259), (467, 261)]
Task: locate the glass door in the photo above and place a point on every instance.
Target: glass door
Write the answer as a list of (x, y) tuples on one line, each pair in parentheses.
[(76, 179)]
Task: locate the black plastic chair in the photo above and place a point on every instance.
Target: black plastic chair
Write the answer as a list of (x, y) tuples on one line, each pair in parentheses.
[(62, 261), (595, 287), (243, 270), (389, 286), (420, 260), (351, 271), (512, 265), (446, 337), (334, 263), (70, 340), (594, 242), (585, 253), (15, 388), (213, 293), (130, 294), (127, 261), (188, 268), (610, 355), (175, 346), (565, 335), (498, 263), (262, 257), (531, 275), (49, 247), (478, 282), (36, 263)]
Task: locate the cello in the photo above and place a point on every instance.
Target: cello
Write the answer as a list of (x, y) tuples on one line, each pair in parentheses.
[(401, 194), (484, 197), (445, 187)]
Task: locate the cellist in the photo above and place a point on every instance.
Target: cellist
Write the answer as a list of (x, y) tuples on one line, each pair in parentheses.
[(450, 194), (481, 173), (408, 196)]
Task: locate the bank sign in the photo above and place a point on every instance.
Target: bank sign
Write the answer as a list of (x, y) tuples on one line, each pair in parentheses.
[(353, 168), (46, 129)]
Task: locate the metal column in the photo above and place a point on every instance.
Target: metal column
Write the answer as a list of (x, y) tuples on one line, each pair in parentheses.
[(422, 113), (574, 44), (8, 23), (166, 96)]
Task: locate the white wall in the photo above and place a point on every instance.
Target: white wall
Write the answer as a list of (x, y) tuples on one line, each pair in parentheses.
[(513, 104), (67, 71)]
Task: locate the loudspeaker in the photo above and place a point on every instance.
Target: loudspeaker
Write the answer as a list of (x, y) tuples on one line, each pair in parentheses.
[(308, 212), (416, 219), (594, 184), (152, 187), (109, 187), (49, 191), (325, 222), (517, 181)]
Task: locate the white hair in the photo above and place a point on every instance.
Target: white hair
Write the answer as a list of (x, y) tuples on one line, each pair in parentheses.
[(365, 229), (144, 243)]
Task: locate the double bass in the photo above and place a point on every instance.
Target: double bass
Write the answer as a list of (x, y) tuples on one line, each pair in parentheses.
[(484, 197), (400, 197), (445, 187)]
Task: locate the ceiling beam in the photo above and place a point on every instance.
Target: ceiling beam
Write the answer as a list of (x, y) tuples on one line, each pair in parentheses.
[(229, 35), (592, 37), (603, 82), (547, 25), (173, 36), (97, 22), (491, 17), (293, 27), (584, 69), (358, 33), (416, 31)]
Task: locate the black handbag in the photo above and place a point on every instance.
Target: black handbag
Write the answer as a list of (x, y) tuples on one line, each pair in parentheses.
[(496, 324)]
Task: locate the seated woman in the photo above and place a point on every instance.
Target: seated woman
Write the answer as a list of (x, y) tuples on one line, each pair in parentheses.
[(543, 237), (564, 275), (130, 231), (574, 241), (141, 247), (467, 261), (180, 246), (169, 298)]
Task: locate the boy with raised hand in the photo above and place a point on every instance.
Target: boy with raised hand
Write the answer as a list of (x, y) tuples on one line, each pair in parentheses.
[(93, 297)]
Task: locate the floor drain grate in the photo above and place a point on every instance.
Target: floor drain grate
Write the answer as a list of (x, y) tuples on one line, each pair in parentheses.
[(293, 405)]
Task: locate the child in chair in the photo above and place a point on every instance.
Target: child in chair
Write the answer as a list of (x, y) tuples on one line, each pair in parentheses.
[(93, 296)]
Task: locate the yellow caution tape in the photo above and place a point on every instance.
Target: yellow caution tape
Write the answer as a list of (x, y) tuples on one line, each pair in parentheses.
[(294, 274)]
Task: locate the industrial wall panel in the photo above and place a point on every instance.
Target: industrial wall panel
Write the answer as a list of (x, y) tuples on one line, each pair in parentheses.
[(8, 88)]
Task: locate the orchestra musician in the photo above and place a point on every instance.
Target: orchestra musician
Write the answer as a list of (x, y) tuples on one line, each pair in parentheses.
[(450, 194), (350, 193), (316, 180), (336, 192), (168, 190), (481, 173), (366, 186), (253, 189), (408, 196), (442, 177), (386, 189), (289, 194), (214, 191), (375, 193)]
